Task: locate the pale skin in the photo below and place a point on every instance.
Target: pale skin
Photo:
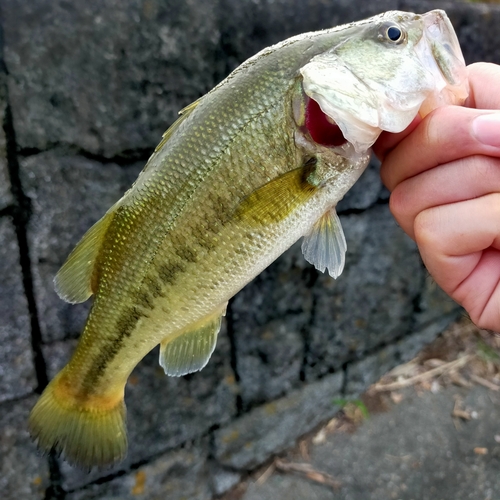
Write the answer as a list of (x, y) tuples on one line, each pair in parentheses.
[(444, 176)]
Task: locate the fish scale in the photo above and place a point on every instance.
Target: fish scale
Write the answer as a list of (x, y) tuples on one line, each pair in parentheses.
[(233, 184)]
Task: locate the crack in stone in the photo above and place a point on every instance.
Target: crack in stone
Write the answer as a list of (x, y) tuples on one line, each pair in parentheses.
[(122, 159), (233, 351)]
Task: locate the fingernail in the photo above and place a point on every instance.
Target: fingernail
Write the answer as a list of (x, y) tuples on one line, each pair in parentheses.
[(486, 128)]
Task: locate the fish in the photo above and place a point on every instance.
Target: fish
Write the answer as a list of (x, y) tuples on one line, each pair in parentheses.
[(247, 170)]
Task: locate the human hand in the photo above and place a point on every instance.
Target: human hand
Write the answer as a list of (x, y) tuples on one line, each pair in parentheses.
[(444, 175)]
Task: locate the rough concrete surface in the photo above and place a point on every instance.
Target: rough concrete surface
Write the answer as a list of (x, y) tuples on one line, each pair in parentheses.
[(252, 439), (416, 451)]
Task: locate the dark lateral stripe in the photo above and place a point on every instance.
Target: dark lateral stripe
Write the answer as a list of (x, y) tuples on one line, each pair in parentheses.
[(154, 286), (124, 326), (168, 273)]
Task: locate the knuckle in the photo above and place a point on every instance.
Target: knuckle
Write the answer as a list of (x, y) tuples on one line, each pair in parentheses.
[(433, 126), (425, 229), (495, 205), (398, 203)]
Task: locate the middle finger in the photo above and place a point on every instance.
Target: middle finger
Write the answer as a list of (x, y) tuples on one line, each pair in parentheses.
[(456, 181), (443, 136)]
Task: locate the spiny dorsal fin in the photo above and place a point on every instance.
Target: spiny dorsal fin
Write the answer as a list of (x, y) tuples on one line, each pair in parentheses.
[(190, 351), (73, 282), (325, 245), (183, 114)]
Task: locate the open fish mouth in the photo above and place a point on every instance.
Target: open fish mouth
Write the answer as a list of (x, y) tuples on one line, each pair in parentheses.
[(413, 65)]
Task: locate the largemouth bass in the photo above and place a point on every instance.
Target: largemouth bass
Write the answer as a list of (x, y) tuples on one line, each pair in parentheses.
[(248, 169)]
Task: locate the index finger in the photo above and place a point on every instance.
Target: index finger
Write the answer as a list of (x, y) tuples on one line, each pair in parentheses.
[(484, 80), (389, 140)]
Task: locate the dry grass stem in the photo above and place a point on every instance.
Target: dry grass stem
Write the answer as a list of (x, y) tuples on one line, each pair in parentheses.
[(426, 376), (486, 383), (309, 472), (304, 449), (265, 475)]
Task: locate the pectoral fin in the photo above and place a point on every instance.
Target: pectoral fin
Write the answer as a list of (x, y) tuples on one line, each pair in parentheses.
[(74, 281), (325, 245), (278, 198), (190, 351)]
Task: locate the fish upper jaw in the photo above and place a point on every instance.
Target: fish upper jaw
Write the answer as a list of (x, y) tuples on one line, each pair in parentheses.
[(440, 54)]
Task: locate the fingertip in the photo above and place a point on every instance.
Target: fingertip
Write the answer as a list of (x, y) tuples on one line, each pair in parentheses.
[(484, 79), (400, 209)]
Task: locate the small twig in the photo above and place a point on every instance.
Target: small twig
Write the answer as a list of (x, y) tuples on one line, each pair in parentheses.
[(486, 383), (308, 471), (459, 412), (304, 450), (266, 474), (440, 370)]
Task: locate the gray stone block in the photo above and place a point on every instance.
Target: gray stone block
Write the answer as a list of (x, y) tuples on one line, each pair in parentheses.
[(68, 194), (223, 479), (106, 77), (178, 475), (365, 192), (166, 412), (5, 193), (23, 473), (57, 354), (371, 303), (361, 374), (267, 319), (17, 371), (269, 429), (433, 304)]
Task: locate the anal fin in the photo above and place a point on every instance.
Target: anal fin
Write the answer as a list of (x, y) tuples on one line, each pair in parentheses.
[(325, 245), (190, 351)]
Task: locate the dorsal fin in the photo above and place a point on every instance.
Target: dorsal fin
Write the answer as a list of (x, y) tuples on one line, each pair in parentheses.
[(183, 114), (73, 282)]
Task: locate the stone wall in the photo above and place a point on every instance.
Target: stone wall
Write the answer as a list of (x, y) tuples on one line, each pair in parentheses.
[(86, 90)]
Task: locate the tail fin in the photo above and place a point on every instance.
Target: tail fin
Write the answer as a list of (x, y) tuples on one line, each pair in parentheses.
[(86, 436)]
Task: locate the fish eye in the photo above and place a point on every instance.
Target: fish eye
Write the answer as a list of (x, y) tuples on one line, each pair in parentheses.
[(394, 34)]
